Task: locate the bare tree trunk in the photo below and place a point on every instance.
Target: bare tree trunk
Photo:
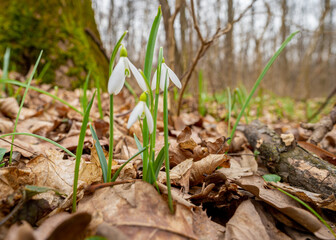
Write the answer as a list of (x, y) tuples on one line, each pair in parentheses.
[(304, 75), (283, 57)]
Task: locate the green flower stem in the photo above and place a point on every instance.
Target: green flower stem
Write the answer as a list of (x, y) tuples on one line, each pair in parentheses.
[(229, 108), (110, 159), (154, 110), (256, 84), (21, 105), (79, 151), (42, 138), (166, 144), (41, 91)]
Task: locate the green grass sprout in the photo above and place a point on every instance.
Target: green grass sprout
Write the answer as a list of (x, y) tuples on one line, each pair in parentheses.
[(85, 87), (22, 102), (256, 84), (80, 150)]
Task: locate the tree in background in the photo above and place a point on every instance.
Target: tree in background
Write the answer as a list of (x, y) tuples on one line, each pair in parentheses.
[(65, 30)]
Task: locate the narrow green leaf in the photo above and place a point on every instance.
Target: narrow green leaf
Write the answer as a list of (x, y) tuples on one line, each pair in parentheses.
[(100, 152), (79, 150), (85, 87), (151, 44), (22, 102), (256, 84), (158, 162), (2, 153)]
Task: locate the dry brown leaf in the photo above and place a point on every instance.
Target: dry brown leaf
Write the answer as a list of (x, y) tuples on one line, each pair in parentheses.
[(141, 213), (285, 204), (205, 167), (10, 108), (249, 222), (63, 226), (179, 175), (6, 126), (236, 171)]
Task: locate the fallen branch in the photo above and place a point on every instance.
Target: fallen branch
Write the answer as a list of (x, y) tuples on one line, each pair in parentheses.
[(293, 163), (321, 128)]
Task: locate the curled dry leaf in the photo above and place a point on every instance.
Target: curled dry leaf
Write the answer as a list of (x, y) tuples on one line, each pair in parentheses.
[(205, 167), (179, 175), (10, 108), (63, 226), (140, 212), (250, 221), (285, 204)]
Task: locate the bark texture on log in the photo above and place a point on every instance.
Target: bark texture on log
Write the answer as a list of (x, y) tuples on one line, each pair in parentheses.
[(293, 163)]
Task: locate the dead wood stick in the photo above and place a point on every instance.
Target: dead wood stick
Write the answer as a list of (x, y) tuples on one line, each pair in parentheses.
[(321, 128), (323, 105), (293, 163)]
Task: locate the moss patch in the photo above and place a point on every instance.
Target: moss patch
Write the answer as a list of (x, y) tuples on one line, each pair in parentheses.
[(57, 27)]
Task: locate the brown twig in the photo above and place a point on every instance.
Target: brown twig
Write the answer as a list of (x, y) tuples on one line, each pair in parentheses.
[(205, 44), (323, 105)]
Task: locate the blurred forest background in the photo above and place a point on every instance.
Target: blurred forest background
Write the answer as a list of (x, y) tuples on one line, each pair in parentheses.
[(305, 69), (228, 42)]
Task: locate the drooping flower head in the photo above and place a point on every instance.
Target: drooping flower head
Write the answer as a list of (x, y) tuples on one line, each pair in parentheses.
[(122, 70), (171, 75), (140, 111)]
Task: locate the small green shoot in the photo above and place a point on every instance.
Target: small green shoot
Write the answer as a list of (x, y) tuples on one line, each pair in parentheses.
[(22, 102), (201, 94), (100, 153), (100, 108), (2, 154), (229, 108), (276, 178), (80, 150), (5, 72), (257, 83), (85, 87)]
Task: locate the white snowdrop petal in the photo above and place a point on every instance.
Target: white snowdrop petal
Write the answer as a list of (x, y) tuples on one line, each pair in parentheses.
[(138, 76), (117, 78), (126, 63), (163, 76), (174, 78), (154, 81), (137, 111), (149, 119)]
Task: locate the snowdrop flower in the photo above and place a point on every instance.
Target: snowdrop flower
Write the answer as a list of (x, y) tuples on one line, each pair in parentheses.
[(171, 75), (140, 111), (121, 71)]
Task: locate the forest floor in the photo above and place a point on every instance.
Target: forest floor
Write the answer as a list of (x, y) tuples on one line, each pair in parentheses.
[(218, 190)]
